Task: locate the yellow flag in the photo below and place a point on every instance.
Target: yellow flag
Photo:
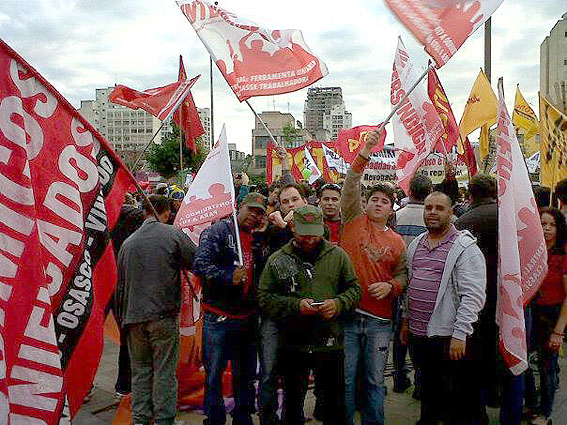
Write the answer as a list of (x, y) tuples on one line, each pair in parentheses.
[(553, 127), (481, 108), (524, 116)]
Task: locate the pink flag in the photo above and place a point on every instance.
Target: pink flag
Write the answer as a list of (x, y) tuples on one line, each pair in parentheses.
[(255, 61), (442, 26), (523, 251), (416, 123), (211, 195), (161, 102)]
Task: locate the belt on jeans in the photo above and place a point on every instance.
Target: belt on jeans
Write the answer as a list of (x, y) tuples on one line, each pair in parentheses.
[(210, 309)]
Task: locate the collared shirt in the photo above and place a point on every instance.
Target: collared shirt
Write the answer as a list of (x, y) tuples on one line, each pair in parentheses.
[(427, 270)]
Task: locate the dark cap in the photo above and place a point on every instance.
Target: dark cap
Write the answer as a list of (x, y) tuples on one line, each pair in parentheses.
[(255, 200), (308, 221)]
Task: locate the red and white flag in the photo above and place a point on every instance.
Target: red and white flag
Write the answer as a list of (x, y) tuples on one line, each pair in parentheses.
[(255, 61), (311, 172), (522, 247), (187, 116), (351, 140), (211, 196), (442, 26), (61, 189), (436, 93), (416, 123), (161, 102)]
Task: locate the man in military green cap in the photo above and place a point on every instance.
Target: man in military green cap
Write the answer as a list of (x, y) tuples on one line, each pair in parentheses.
[(306, 287)]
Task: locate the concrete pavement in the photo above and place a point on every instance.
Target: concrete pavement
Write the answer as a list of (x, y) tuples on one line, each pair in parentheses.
[(401, 409)]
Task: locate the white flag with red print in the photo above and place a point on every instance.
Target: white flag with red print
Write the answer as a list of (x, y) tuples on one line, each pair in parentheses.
[(310, 169), (255, 61), (211, 196), (416, 123), (522, 247), (442, 26)]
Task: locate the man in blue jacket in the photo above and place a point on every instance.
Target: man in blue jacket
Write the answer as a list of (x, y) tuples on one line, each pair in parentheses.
[(229, 303)]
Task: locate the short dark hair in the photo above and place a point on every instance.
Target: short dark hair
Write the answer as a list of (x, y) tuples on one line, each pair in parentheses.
[(561, 191), (483, 186), (561, 238), (382, 188), (542, 195), (419, 187), (159, 202), (293, 186), (329, 186), (442, 194)]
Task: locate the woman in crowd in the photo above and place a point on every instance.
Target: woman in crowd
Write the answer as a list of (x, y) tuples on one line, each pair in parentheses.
[(549, 312)]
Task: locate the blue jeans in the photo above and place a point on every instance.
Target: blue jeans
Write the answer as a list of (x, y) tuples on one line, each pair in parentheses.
[(267, 397), (366, 345), (229, 339)]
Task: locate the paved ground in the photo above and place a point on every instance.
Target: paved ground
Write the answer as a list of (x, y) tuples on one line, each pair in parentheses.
[(401, 409)]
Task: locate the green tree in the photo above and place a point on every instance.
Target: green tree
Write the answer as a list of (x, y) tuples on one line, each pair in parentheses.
[(164, 158), (290, 135)]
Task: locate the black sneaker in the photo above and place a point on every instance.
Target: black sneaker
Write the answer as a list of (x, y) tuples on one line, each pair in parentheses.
[(402, 386)]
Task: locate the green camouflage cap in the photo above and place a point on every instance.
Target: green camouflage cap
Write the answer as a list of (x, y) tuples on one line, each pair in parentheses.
[(255, 200), (308, 221)]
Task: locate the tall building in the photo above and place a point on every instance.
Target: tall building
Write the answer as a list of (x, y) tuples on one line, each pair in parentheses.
[(284, 129), (127, 130), (205, 117), (337, 118), (553, 64), (237, 158), (320, 100)]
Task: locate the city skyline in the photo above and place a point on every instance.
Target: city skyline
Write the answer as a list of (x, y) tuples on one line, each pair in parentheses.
[(81, 46)]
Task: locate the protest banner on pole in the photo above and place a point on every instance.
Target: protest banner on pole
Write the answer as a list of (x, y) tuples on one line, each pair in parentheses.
[(442, 26), (255, 61), (62, 187), (416, 123), (553, 143), (523, 251)]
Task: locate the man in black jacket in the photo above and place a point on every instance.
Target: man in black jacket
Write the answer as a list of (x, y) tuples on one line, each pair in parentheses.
[(482, 221), (229, 303)]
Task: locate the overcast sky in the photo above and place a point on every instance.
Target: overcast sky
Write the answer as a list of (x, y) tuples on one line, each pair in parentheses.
[(81, 45)]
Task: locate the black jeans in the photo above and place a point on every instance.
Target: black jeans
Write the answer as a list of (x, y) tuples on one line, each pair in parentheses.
[(450, 389), (329, 371)]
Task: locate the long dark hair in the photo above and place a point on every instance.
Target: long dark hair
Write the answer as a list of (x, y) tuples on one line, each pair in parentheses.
[(561, 237)]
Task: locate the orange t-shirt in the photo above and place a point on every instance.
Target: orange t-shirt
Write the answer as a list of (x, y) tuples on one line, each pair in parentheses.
[(375, 255)]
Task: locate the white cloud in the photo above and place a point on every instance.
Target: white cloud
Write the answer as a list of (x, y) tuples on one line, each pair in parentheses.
[(81, 45)]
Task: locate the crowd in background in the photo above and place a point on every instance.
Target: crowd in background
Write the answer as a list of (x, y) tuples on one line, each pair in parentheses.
[(331, 275)]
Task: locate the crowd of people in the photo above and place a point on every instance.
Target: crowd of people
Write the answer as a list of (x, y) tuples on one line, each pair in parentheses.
[(329, 277)]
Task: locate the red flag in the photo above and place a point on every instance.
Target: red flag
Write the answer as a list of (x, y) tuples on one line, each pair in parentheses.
[(439, 99), (523, 252), (161, 102), (61, 189), (187, 116), (254, 61), (469, 157), (350, 141), (442, 26)]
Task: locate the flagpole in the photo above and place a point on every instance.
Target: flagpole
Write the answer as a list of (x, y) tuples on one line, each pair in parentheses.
[(263, 123), (146, 148), (181, 148), (401, 102), (212, 136), (238, 244)]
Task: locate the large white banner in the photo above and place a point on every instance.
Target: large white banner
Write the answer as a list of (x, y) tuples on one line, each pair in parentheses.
[(417, 125), (522, 247)]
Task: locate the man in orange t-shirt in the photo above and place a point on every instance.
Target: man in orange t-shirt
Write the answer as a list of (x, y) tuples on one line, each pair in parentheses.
[(378, 255)]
